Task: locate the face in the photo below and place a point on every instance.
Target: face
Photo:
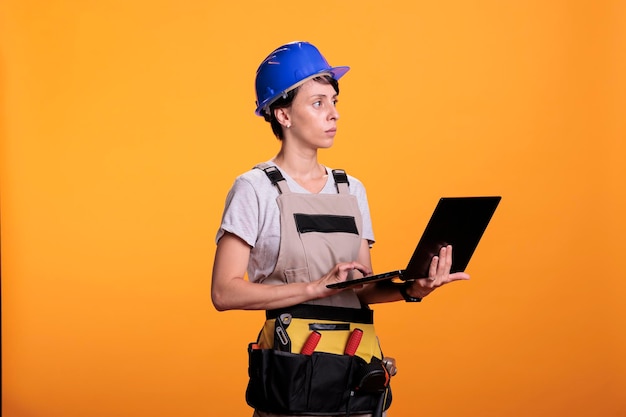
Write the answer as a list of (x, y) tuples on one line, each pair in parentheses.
[(312, 116)]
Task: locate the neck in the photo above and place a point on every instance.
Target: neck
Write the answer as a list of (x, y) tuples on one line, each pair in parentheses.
[(299, 166)]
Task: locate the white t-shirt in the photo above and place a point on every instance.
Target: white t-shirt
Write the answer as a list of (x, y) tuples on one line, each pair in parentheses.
[(251, 213)]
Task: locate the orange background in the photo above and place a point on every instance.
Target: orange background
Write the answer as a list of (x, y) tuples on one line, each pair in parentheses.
[(124, 123)]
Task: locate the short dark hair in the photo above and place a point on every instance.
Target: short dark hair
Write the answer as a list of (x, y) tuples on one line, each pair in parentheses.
[(286, 100)]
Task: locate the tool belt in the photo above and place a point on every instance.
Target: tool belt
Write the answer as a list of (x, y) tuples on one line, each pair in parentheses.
[(318, 360)]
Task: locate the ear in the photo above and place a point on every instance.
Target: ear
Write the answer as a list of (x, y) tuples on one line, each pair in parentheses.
[(283, 117)]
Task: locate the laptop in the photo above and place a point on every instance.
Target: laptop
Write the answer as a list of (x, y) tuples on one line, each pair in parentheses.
[(456, 221)]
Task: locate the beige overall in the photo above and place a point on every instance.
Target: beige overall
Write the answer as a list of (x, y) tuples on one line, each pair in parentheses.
[(317, 232)]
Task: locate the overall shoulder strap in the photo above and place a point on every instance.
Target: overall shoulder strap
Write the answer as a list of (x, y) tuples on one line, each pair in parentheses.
[(275, 177), (341, 181)]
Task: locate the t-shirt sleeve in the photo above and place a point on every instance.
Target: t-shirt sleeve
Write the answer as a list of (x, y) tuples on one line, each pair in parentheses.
[(241, 213)]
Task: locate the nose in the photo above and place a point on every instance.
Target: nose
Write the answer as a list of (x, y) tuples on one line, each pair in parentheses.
[(333, 114)]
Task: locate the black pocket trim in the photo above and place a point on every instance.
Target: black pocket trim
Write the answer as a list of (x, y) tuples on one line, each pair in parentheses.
[(329, 326), (325, 223)]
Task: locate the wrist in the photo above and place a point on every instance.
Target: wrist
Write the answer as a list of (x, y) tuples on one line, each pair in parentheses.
[(318, 289), (405, 294)]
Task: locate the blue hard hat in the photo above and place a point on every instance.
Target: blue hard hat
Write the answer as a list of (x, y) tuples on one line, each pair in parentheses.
[(286, 68)]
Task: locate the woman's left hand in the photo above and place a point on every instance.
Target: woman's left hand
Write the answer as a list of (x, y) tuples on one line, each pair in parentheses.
[(438, 275)]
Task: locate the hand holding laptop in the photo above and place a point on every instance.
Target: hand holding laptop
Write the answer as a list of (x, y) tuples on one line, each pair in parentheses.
[(456, 221), (438, 274)]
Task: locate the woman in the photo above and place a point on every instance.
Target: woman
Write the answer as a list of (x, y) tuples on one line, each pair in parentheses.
[(296, 226)]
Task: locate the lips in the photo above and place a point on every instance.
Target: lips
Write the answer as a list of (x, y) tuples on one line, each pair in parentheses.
[(332, 131)]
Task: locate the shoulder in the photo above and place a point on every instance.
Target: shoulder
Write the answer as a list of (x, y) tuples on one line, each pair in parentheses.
[(355, 182), (254, 179), (252, 176), (251, 189)]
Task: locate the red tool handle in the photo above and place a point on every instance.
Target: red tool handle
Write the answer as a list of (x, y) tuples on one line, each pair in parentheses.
[(353, 342), (311, 343)]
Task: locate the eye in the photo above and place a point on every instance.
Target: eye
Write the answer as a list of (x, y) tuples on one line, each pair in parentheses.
[(317, 104)]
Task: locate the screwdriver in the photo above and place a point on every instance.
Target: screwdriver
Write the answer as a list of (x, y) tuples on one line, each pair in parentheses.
[(353, 342), (311, 343)]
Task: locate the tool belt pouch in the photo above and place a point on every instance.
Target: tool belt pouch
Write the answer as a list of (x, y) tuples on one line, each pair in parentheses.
[(321, 383)]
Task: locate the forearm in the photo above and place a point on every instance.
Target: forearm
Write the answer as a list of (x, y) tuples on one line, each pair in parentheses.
[(378, 293), (230, 291), (240, 294)]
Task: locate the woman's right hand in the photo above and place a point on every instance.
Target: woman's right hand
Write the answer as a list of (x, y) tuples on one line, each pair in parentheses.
[(339, 273)]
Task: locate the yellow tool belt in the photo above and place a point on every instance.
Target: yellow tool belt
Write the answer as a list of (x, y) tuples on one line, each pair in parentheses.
[(335, 324), (340, 374)]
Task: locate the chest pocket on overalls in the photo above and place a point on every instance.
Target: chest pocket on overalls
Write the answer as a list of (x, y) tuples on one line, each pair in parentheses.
[(326, 239)]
